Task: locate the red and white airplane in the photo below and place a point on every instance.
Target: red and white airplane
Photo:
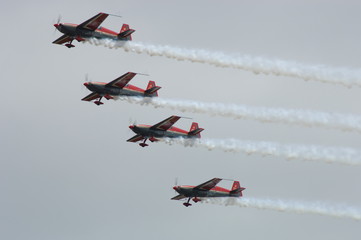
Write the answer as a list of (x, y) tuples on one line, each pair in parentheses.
[(119, 87), (90, 29), (206, 190), (163, 129)]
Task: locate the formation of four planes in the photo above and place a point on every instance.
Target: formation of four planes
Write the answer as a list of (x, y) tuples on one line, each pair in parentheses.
[(120, 87)]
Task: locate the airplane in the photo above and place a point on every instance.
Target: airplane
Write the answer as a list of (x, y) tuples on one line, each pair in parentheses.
[(118, 87), (206, 190), (90, 29), (163, 129)]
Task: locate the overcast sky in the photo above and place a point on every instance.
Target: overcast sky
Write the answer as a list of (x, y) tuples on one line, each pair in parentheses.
[(67, 172)]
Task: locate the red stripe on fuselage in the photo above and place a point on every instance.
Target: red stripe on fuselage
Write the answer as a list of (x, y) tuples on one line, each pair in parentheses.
[(133, 88), (98, 83), (215, 189), (143, 126), (100, 29), (220, 189), (127, 87), (177, 130), (69, 24), (172, 129), (106, 30)]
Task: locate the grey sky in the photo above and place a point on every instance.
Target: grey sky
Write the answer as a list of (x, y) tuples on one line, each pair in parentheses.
[(67, 172)]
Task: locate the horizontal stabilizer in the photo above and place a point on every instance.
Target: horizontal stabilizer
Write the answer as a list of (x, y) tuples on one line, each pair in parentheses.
[(196, 131), (237, 192), (152, 90), (126, 33), (237, 189)]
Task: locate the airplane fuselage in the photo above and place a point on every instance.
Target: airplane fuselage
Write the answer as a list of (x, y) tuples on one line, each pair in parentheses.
[(102, 89), (72, 31), (172, 132), (189, 191)]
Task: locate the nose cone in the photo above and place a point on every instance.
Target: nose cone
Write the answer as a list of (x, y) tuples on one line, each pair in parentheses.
[(86, 84), (56, 25), (131, 126)]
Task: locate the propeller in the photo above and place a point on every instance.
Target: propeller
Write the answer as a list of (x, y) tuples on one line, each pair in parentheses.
[(86, 80), (59, 19), (176, 184), (132, 122), (86, 77), (128, 131), (57, 23)]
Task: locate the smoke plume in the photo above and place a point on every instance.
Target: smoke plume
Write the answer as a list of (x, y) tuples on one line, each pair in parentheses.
[(348, 156), (321, 73), (346, 122), (340, 211)]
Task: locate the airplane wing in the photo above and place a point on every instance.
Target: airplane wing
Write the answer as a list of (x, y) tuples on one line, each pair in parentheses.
[(94, 22), (91, 96), (121, 81), (136, 138), (166, 124), (63, 39), (179, 197), (209, 184)]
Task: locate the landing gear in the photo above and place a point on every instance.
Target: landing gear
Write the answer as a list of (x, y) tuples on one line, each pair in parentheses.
[(143, 144), (69, 45), (195, 199), (98, 102), (187, 204)]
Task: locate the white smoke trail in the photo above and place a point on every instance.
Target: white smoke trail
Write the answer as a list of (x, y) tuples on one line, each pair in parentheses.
[(346, 122), (343, 76), (348, 156), (341, 211)]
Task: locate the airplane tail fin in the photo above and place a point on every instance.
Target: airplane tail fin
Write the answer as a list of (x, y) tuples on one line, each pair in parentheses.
[(195, 130), (236, 189), (125, 33), (152, 89)]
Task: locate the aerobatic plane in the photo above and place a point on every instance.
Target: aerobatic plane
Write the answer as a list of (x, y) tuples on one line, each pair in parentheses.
[(163, 129), (90, 29), (119, 87), (206, 190)]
